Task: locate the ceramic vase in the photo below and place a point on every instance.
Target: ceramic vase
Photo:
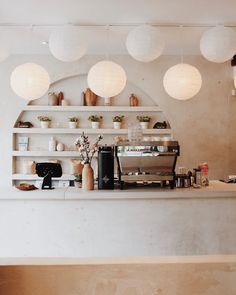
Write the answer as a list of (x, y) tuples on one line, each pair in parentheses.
[(52, 99), (44, 124), (90, 98), (95, 125), (87, 178), (144, 125), (117, 125), (72, 125)]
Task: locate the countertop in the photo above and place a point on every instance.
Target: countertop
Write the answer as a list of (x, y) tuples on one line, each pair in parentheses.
[(216, 189), (117, 260)]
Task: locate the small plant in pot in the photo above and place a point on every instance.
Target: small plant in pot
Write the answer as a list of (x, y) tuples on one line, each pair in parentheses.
[(73, 122), (144, 121), (78, 180), (117, 121), (44, 121), (95, 121)]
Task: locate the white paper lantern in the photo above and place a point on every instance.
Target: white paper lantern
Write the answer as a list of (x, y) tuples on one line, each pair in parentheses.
[(4, 54), (218, 44), (30, 81), (65, 43), (145, 43), (182, 81), (106, 79)]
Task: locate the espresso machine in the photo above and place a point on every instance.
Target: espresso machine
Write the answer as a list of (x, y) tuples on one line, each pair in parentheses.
[(147, 162)]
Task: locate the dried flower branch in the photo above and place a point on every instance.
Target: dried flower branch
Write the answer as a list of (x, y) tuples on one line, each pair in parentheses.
[(87, 150)]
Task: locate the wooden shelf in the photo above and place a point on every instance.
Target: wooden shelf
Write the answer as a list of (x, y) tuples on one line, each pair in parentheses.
[(35, 177), (86, 131), (45, 154), (38, 108)]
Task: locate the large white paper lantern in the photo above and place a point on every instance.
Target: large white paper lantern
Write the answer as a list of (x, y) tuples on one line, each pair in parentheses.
[(30, 81), (182, 81), (66, 44), (145, 43), (218, 44), (106, 79)]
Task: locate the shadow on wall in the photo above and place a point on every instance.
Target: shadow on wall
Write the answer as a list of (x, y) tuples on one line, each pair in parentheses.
[(154, 279)]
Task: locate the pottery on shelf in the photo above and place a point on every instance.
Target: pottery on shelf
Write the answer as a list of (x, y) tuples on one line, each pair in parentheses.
[(90, 98), (45, 124), (64, 102), (60, 147), (117, 125), (95, 125), (87, 178), (144, 125), (52, 144), (73, 125), (108, 101), (52, 99), (133, 100)]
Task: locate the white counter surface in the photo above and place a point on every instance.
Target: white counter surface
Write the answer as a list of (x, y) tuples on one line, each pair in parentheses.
[(117, 260), (216, 189)]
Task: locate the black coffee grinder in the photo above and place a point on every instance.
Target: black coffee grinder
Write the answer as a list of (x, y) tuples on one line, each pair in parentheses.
[(106, 167)]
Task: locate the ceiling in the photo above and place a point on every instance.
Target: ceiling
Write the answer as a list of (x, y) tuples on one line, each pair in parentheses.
[(44, 14)]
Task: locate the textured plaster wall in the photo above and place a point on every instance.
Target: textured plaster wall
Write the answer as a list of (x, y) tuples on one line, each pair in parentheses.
[(203, 125), (157, 279)]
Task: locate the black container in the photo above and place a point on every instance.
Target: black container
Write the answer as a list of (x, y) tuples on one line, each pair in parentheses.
[(106, 168)]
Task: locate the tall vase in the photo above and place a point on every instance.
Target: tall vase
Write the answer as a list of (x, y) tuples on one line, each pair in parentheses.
[(87, 178)]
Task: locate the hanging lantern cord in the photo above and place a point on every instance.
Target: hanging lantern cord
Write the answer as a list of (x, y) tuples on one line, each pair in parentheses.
[(182, 46), (108, 42)]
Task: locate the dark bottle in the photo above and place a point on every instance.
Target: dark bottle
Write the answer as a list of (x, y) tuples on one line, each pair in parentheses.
[(106, 168)]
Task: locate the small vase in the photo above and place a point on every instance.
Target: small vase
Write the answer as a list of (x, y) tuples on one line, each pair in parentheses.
[(87, 178), (73, 125), (144, 125), (77, 184), (90, 98), (95, 125), (117, 125), (60, 147), (52, 99), (44, 124)]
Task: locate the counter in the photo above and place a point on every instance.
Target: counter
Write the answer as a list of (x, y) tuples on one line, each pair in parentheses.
[(216, 189), (130, 223)]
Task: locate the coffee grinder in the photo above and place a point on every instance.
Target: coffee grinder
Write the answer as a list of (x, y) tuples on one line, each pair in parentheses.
[(106, 168)]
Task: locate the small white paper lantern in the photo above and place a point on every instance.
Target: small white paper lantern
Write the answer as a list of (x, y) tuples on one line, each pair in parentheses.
[(106, 79), (218, 44), (30, 81), (182, 81), (66, 44), (145, 43)]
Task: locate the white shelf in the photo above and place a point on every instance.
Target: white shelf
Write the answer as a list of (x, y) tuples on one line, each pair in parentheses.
[(39, 108), (45, 154), (86, 131), (35, 177)]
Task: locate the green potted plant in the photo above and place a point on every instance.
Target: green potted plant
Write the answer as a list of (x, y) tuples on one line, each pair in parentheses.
[(73, 122), (117, 121), (44, 121), (144, 121), (95, 121), (78, 180)]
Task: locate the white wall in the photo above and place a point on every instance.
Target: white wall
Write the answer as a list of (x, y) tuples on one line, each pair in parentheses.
[(203, 125)]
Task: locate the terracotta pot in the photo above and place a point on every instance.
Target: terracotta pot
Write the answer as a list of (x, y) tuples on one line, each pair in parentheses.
[(90, 98), (133, 100), (87, 178)]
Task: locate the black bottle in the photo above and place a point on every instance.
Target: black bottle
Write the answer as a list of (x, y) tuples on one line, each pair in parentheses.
[(106, 168)]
